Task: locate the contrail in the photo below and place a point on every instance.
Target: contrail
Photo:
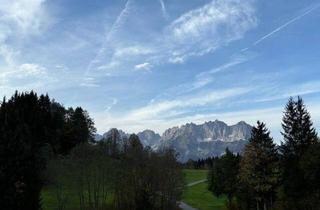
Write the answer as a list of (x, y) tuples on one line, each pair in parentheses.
[(114, 28), (286, 24), (163, 9)]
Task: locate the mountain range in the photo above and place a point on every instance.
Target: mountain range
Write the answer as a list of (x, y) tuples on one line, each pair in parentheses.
[(192, 141)]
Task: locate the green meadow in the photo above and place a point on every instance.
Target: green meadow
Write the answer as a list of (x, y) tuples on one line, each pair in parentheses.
[(198, 195)]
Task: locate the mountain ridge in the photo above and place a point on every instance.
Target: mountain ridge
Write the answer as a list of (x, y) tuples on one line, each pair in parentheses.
[(193, 141)]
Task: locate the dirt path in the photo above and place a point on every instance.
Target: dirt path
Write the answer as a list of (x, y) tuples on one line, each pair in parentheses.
[(196, 182), (185, 206)]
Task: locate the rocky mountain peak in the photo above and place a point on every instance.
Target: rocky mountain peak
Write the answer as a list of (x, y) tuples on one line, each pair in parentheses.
[(149, 137), (193, 141)]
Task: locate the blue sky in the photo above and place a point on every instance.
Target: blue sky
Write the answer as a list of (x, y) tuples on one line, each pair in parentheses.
[(137, 64)]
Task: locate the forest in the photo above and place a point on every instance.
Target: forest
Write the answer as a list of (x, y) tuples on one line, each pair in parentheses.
[(266, 175), (47, 147), (44, 144)]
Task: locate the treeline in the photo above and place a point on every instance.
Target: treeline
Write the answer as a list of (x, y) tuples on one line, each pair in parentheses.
[(203, 163), (267, 176), (119, 174), (42, 143), (32, 129)]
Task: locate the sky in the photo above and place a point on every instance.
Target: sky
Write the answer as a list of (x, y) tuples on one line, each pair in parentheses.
[(154, 64)]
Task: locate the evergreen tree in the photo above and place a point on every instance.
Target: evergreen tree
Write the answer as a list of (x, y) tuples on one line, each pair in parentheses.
[(310, 164), (223, 175), (299, 135), (24, 121), (31, 127), (79, 128), (259, 167)]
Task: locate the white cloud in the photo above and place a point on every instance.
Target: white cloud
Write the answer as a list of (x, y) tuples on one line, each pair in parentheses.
[(143, 66), (194, 33), (89, 82), (132, 51), (25, 77), (19, 19), (163, 9), (27, 15), (156, 114), (26, 70), (177, 60), (296, 90), (206, 77), (271, 116), (282, 27), (31, 69), (108, 36), (163, 107), (286, 24), (109, 107), (207, 28)]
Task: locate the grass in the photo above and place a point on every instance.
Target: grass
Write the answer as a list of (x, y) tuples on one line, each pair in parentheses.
[(192, 175), (198, 195), (49, 199)]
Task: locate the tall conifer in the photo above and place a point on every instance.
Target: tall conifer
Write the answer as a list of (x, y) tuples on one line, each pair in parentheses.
[(259, 167)]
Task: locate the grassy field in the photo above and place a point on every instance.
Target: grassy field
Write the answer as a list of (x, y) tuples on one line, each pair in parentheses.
[(198, 195), (49, 199), (192, 175)]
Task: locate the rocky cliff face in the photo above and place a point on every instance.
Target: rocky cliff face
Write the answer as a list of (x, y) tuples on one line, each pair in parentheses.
[(192, 141), (115, 131), (209, 131), (149, 138)]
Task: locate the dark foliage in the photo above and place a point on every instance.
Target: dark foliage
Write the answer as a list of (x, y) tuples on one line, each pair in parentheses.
[(205, 163), (147, 179), (31, 127), (299, 135), (223, 175), (259, 171), (271, 177)]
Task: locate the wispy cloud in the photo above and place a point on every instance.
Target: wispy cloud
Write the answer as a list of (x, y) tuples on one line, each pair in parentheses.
[(283, 26), (207, 28), (143, 66), (302, 89), (164, 113), (286, 24), (19, 18), (163, 9), (109, 107), (234, 62), (108, 36), (163, 107), (194, 33), (205, 78)]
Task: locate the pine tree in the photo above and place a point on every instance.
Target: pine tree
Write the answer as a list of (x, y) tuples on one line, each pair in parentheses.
[(23, 134), (299, 135), (259, 166), (29, 127), (79, 128), (298, 131), (223, 175)]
